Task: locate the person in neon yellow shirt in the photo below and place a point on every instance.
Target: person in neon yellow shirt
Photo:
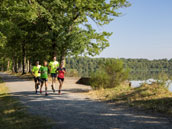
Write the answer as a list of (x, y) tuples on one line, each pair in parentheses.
[(53, 65), (36, 74)]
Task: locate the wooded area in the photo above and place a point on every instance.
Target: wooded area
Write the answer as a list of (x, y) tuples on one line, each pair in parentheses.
[(139, 68), (32, 30)]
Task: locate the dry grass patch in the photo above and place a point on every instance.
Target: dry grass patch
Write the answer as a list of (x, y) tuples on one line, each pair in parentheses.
[(153, 97)]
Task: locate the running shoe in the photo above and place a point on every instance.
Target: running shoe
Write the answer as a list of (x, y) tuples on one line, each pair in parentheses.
[(59, 93), (40, 91), (46, 94)]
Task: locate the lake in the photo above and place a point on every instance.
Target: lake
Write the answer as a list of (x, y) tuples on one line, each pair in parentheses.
[(137, 83)]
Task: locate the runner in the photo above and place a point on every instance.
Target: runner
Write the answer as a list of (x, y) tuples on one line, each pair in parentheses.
[(44, 77), (53, 66), (36, 74), (61, 71)]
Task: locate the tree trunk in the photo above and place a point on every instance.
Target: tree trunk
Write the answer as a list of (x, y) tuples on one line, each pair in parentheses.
[(2, 67), (24, 65), (62, 58), (3, 64), (54, 46), (30, 67), (8, 66), (13, 65), (54, 53), (54, 50), (16, 66), (20, 66), (23, 58)]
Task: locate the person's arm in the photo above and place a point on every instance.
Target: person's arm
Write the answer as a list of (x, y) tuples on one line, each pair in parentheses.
[(49, 66), (57, 66), (33, 70), (39, 70), (57, 70), (47, 70)]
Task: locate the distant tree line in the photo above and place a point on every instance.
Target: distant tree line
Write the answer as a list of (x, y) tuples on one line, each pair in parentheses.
[(140, 69)]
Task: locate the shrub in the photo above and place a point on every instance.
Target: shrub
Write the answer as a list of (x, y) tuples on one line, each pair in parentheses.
[(163, 80), (109, 75)]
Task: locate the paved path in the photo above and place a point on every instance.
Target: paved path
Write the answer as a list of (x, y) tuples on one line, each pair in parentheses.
[(74, 110)]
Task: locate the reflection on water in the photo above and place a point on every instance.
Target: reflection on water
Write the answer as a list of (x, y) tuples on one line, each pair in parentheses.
[(145, 75), (138, 83), (139, 77), (170, 88)]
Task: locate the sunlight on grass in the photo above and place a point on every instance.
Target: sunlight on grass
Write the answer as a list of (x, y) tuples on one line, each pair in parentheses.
[(3, 89), (9, 111), (153, 97)]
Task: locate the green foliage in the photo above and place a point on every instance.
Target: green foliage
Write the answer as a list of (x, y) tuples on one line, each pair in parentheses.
[(39, 29), (110, 74), (140, 69), (100, 79), (163, 80)]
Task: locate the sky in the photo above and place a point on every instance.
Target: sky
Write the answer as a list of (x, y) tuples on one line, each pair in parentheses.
[(144, 30)]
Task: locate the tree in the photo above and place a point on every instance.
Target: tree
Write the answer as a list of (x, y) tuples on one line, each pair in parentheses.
[(40, 29), (17, 19), (71, 33), (110, 74)]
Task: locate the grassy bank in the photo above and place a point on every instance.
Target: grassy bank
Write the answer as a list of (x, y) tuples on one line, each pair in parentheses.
[(13, 115), (152, 97)]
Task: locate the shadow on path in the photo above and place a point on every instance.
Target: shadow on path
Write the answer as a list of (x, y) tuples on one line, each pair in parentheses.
[(10, 78), (73, 111), (70, 113)]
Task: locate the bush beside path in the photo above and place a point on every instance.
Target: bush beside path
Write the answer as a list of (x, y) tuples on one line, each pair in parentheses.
[(75, 109)]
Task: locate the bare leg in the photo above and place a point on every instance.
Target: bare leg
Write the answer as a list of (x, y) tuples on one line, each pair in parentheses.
[(36, 87), (46, 88), (38, 83), (41, 87), (52, 80), (53, 83), (60, 86)]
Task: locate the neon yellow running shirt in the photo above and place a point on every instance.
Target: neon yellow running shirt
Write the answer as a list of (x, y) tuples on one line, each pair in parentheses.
[(53, 66), (35, 71)]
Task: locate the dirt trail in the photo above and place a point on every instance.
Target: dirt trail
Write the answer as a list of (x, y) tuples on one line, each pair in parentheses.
[(74, 110)]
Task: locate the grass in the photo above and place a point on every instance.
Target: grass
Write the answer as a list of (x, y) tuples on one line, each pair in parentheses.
[(152, 97), (13, 115)]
